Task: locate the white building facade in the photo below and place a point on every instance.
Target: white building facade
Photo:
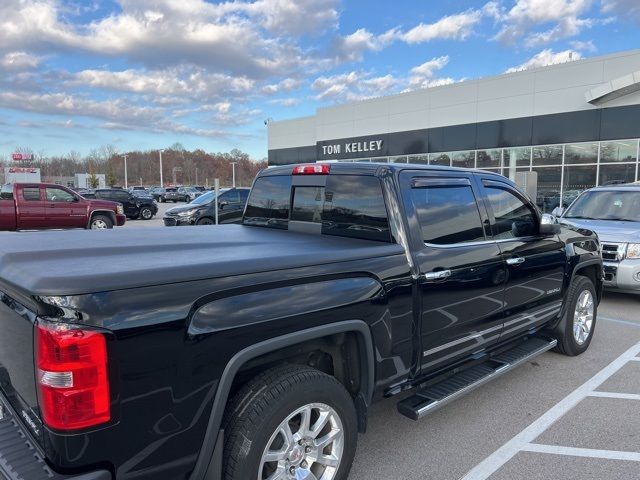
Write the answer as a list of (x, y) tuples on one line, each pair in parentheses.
[(575, 124)]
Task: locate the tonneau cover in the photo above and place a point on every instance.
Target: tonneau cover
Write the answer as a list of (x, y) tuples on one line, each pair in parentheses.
[(80, 262)]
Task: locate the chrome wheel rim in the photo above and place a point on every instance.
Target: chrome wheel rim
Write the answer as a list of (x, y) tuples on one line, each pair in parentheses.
[(146, 213), (98, 225), (583, 317), (307, 445)]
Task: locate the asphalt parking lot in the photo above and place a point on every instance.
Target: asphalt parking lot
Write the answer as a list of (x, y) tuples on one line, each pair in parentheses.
[(554, 417)]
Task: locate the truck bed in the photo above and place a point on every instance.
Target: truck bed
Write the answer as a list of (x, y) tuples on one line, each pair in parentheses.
[(81, 262)]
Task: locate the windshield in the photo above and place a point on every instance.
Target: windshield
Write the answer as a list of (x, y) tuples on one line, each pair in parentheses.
[(207, 197), (606, 205)]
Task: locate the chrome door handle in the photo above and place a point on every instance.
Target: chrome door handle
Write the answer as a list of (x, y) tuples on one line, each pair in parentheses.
[(515, 261), (439, 275)]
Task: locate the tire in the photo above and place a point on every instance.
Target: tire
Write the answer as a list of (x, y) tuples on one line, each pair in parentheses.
[(256, 413), (146, 213), (574, 338), (100, 222), (160, 200), (206, 221)]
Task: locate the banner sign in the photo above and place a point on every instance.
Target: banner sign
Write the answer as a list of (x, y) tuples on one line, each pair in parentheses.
[(21, 156)]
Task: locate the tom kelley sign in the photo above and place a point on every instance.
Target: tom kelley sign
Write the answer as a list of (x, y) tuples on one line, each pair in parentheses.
[(352, 147)]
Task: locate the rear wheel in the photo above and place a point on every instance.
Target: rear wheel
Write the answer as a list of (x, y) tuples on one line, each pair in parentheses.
[(579, 320), (146, 213), (301, 423), (100, 222)]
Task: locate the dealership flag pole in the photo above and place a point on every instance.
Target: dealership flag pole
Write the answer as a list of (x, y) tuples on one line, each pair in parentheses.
[(216, 182)]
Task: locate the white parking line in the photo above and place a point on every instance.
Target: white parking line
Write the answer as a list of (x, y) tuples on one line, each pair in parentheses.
[(493, 462), (617, 320), (623, 396), (582, 452)]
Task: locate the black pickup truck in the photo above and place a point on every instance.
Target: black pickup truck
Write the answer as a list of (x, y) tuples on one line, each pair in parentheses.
[(255, 350)]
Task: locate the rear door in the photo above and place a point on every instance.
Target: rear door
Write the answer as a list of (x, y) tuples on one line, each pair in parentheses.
[(535, 263), (30, 207), (230, 207), (62, 209), (461, 270)]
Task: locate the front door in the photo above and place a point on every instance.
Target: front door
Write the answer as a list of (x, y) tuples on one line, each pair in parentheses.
[(535, 263), (230, 207), (62, 209), (461, 270)]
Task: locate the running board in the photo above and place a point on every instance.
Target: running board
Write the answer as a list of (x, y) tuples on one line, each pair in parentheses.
[(429, 399)]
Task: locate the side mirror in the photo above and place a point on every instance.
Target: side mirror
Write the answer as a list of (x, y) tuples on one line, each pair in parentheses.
[(222, 204), (548, 219), (549, 229)]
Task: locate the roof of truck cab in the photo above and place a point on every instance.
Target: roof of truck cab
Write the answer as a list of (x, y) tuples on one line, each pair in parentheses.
[(370, 168)]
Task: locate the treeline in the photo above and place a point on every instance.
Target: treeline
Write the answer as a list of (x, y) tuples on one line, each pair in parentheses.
[(179, 166)]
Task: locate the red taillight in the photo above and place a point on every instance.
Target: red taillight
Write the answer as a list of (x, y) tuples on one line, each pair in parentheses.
[(313, 169), (72, 379)]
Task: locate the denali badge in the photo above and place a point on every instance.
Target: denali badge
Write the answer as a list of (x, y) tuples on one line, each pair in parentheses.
[(1, 411), (30, 422)]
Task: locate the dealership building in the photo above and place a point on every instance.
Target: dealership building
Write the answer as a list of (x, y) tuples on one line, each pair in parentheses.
[(576, 125)]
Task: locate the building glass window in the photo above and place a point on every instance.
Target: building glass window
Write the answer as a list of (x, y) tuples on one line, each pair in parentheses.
[(576, 180), (549, 180), (514, 158), (401, 159), (619, 151), (547, 155), (419, 159), (489, 158), (617, 173), (464, 159), (580, 153), (440, 159)]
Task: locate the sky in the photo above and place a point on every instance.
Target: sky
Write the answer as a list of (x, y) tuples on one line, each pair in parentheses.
[(143, 74)]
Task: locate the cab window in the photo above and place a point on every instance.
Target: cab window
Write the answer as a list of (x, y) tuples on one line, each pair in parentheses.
[(513, 217), (447, 214), (58, 195), (31, 194)]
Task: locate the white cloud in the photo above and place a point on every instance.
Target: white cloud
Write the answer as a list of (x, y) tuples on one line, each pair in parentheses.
[(355, 85), (285, 102), (423, 76), (583, 46), (453, 27), (351, 47), (286, 85), (20, 61), (174, 83), (522, 19), (547, 57), (627, 9)]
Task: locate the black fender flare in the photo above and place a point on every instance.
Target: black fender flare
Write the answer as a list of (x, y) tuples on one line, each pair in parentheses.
[(209, 465)]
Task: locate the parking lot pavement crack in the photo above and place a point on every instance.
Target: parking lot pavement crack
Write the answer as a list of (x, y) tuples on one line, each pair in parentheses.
[(496, 460), (582, 452)]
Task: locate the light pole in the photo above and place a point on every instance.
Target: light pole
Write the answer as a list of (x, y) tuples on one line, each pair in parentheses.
[(161, 179), (233, 168), (125, 170)]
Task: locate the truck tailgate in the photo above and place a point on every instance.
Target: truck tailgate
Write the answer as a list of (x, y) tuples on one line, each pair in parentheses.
[(17, 373)]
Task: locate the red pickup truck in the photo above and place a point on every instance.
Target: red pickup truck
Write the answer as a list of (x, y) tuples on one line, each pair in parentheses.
[(32, 206)]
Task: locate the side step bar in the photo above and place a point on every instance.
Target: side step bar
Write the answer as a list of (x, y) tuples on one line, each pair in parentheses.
[(429, 399)]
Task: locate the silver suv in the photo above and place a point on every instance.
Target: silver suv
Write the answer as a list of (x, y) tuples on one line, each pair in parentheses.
[(613, 212)]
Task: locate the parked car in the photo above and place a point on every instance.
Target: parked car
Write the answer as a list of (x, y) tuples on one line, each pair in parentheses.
[(134, 206), (137, 188), (254, 351), (613, 212), (31, 206), (188, 194), (202, 210), (169, 194)]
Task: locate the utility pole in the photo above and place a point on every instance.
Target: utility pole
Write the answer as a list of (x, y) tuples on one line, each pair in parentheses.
[(196, 175), (233, 167), (161, 179), (125, 170)]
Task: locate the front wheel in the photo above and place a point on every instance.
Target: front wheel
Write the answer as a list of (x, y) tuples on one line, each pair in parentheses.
[(100, 222), (146, 213), (301, 422), (205, 221), (579, 321)]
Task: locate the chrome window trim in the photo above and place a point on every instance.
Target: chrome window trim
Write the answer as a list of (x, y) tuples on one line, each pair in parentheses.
[(483, 242)]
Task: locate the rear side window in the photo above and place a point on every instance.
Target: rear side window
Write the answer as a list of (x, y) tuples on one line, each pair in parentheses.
[(268, 203), (354, 207), (6, 192), (31, 194), (447, 214)]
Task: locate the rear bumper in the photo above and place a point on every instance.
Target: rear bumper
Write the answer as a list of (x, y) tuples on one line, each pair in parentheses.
[(21, 459), (622, 276), (120, 220)]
